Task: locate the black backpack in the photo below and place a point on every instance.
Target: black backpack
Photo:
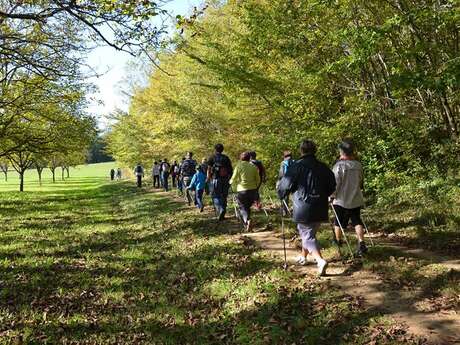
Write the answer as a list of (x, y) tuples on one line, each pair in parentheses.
[(188, 167), (139, 169), (221, 167)]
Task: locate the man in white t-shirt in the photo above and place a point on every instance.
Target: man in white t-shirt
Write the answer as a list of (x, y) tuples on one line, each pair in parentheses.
[(348, 196)]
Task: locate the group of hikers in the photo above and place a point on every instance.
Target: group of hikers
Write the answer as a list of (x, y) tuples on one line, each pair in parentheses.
[(311, 185), (115, 174)]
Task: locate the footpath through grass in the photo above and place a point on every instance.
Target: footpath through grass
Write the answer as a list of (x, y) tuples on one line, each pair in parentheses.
[(94, 262)]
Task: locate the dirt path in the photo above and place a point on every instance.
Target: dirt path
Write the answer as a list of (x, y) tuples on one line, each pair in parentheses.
[(405, 306)]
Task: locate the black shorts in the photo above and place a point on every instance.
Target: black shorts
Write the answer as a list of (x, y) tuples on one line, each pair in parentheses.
[(347, 214)]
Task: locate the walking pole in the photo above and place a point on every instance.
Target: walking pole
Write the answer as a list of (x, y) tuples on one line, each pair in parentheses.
[(335, 241), (287, 207), (285, 266), (343, 231), (367, 232)]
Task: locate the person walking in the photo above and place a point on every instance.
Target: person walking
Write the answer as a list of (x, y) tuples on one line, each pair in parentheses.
[(348, 197), (156, 175), (139, 172), (118, 174), (262, 173), (165, 169), (174, 174), (204, 167), (284, 167), (246, 181), (219, 172), (311, 183), (160, 172), (112, 174), (198, 185), (187, 170), (180, 183)]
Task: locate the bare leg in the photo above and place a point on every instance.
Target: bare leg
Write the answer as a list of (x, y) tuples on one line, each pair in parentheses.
[(360, 232), (338, 233), (316, 254)]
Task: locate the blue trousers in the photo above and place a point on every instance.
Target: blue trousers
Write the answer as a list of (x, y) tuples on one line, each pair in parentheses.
[(199, 198), (219, 193)]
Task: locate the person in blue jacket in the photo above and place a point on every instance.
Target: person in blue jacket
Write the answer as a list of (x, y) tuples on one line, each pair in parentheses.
[(198, 184)]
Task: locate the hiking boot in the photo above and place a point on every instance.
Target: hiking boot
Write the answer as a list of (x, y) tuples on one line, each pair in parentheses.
[(201, 209), (221, 215), (322, 266), (362, 249)]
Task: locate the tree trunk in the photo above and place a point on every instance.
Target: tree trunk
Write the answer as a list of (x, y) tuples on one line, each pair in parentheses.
[(53, 172), (21, 181), (62, 173), (39, 171), (68, 171), (6, 176)]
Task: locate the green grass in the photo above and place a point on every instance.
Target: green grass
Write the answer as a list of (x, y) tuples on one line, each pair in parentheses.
[(89, 261)]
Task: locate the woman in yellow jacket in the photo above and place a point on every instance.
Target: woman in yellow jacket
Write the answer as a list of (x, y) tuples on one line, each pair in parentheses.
[(245, 180)]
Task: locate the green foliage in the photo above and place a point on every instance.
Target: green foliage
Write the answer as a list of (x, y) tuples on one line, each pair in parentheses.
[(263, 75)]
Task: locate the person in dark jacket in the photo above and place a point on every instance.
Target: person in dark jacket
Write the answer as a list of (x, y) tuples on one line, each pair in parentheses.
[(219, 172), (311, 183), (187, 171)]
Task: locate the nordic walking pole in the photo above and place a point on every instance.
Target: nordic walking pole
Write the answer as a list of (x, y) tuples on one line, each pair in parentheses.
[(343, 231), (284, 238), (336, 242), (287, 207), (367, 232)]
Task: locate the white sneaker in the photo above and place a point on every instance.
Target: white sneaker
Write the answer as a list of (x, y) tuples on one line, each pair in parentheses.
[(301, 260), (322, 265)]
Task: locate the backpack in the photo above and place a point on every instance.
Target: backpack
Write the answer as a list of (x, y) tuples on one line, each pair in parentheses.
[(188, 167), (165, 167), (139, 169), (286, 164), (221, 166)]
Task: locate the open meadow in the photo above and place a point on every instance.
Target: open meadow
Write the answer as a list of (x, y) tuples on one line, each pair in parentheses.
[(89, 261)]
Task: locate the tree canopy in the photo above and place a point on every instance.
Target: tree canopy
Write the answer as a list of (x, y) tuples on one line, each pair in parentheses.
[(263, 75)]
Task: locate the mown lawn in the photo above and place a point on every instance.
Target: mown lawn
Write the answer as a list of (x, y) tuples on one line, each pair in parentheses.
[(87, 261)]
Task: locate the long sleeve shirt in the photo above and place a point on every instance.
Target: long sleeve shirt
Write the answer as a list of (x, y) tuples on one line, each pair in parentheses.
[(245, 177), (349, 180)]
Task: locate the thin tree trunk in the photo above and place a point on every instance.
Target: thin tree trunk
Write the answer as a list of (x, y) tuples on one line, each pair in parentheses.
[(53, 172), (68, 171), (39, 171), (62, 173), (21, 181)]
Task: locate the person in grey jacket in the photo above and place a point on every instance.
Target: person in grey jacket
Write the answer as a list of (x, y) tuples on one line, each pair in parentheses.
[(311, 183), (348, 197)]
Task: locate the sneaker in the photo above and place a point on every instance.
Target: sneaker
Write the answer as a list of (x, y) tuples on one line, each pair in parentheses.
[(322, 266), (362, 249), (301, 260)]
